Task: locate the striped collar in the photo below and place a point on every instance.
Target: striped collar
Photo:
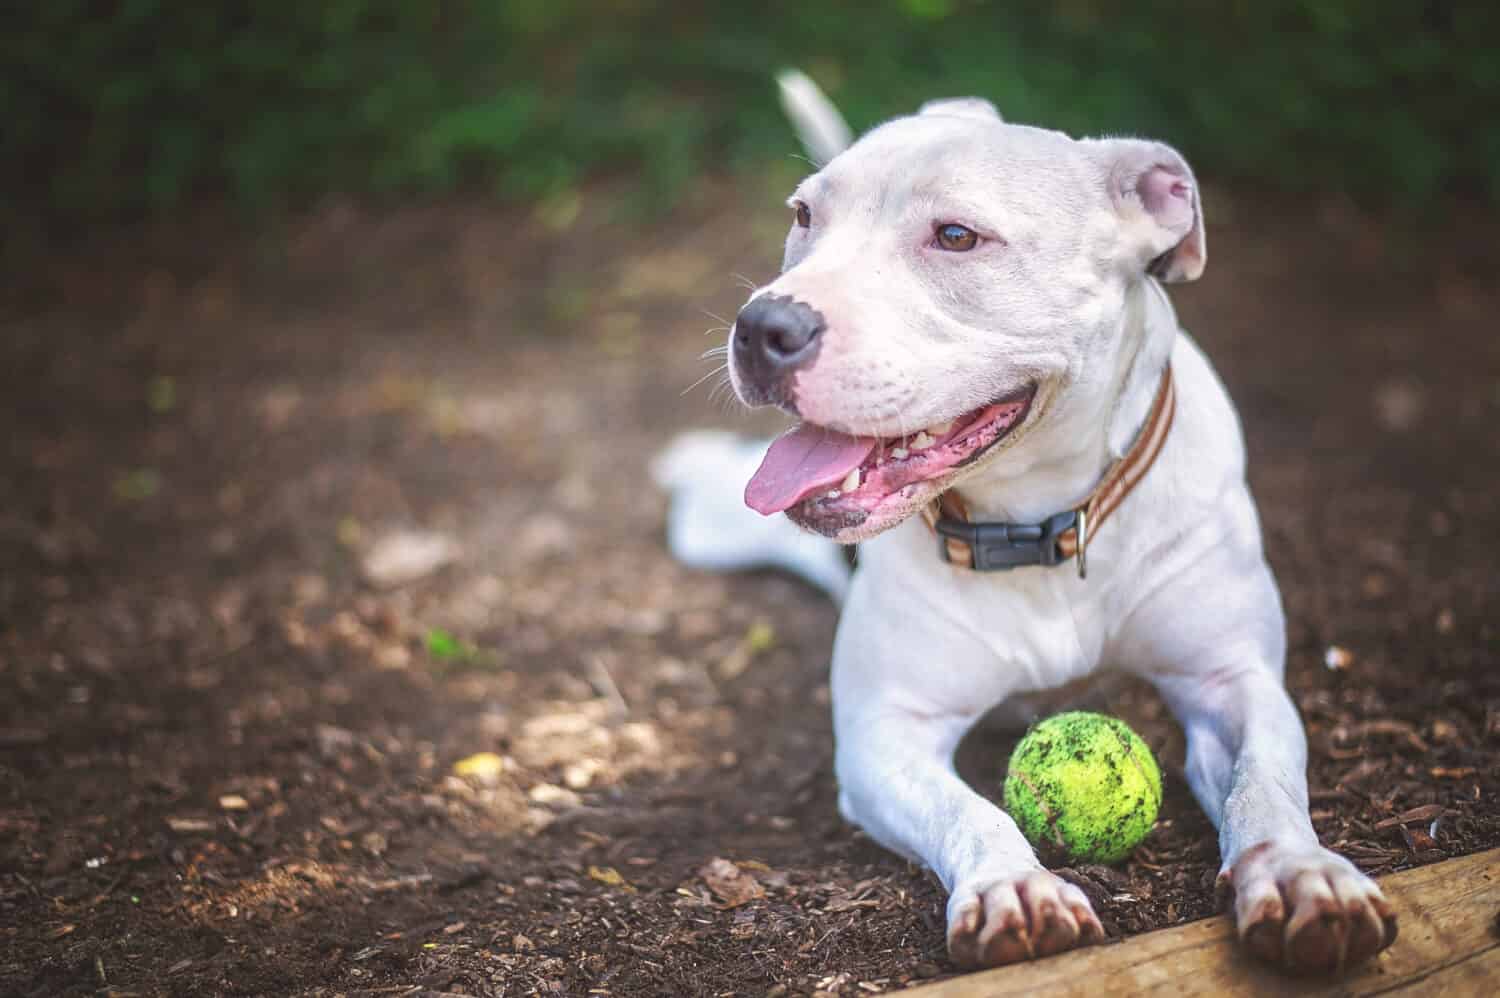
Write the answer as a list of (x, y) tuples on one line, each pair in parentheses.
[(996, 547)]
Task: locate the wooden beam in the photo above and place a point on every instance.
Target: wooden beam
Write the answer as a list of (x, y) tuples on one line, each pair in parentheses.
[(1449, 944)]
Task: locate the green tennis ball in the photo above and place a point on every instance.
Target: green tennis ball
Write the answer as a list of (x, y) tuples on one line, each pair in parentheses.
[(1083, 786)]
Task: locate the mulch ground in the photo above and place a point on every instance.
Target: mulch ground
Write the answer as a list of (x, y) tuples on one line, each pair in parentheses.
[(239, 756)]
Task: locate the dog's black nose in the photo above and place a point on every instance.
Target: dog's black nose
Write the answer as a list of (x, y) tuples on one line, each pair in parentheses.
[(773, 336)]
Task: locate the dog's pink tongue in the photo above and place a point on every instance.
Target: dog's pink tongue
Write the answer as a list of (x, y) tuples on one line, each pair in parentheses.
[(804, 461)]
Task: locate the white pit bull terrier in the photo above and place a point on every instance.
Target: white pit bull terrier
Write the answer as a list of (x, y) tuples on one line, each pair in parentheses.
[(970, 326)]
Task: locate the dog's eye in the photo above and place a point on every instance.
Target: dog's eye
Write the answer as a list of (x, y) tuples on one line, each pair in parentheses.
[(955, 238), (803, 213)]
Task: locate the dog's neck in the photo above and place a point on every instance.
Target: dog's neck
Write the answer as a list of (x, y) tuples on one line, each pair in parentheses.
[(1066, 457)]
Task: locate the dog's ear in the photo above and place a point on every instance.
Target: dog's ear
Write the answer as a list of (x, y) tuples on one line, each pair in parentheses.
[(962, 107), (1153, 190)]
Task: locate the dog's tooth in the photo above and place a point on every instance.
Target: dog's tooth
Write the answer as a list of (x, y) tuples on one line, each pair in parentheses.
[(940, 430), (899, 452), (922, 441), (851, 483)]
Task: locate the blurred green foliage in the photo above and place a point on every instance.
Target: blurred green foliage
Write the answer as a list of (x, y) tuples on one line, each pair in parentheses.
[(129, 106)]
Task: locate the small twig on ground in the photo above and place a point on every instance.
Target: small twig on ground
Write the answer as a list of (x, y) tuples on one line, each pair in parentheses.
[(605, 683)]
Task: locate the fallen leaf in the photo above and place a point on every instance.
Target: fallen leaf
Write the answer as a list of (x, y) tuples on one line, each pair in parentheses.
[(446, 647), (486, 767), (732, 885), (441, 644), (349, 532), (142, 483), (161, 394), (610, 876), (759, 638)]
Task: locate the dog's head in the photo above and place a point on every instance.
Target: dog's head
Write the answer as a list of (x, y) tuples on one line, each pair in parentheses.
[(952, 287)]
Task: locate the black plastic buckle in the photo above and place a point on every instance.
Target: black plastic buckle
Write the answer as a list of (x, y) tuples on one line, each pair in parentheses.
[(999, 547)]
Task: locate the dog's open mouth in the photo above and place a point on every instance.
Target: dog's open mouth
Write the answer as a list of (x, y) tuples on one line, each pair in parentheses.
[(822, 471)]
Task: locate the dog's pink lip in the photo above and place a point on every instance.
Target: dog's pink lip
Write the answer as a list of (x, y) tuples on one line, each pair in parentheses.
[(884, 476)]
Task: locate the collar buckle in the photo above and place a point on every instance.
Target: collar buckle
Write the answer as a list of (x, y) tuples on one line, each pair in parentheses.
[(999, 547)]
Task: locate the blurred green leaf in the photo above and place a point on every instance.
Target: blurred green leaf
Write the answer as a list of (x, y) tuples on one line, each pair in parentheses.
[(457, 653), (134, 486), (161, 394), (442, 645)]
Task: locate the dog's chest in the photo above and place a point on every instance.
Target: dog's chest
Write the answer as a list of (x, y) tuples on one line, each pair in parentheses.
[(1029, 623), (1003, 634)]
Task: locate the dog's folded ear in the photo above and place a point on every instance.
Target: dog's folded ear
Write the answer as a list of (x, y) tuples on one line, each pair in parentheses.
[(962, 107), (1153, 190)]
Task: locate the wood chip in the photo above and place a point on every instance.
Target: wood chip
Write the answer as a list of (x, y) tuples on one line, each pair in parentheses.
[(1381, 726), (190, 826), (407, 555), (1452, 773), (1337, 658), (1426, 812)]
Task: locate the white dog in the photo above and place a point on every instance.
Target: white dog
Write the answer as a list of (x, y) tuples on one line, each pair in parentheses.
[(970, 327)]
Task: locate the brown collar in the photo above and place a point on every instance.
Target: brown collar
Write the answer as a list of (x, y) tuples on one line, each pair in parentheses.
[(995, 547)]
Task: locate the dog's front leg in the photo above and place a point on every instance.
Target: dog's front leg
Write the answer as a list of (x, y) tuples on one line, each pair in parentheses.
[(1295, 903), (897, 782), (903, 697)]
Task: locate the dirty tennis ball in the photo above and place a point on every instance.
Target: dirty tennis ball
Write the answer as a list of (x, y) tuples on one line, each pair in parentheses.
[(1083, 786)]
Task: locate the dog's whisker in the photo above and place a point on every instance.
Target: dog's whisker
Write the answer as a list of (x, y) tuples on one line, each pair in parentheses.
[(725, 381), (717, 317), (900, 412), (720, 369), (723, 401)]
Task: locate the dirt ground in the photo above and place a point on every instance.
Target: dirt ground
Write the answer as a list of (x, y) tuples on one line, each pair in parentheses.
[(230, 716)]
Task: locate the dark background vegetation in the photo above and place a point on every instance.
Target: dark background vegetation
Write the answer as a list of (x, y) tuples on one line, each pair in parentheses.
[(117, 109)]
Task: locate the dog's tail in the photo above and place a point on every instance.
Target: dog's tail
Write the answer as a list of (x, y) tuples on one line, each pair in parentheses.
[(708, 524), (823, 131), (710, 527)]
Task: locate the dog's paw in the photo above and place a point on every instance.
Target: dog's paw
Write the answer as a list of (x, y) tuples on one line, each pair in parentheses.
[(1307, 909), (993, 921)]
